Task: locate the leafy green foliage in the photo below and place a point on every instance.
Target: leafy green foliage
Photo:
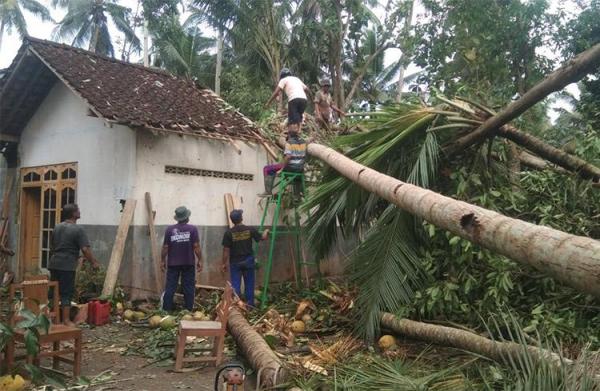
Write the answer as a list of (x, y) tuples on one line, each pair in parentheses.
[(466, 282)]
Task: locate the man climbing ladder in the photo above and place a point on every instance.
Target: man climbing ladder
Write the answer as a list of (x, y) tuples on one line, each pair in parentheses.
[(293, 162)]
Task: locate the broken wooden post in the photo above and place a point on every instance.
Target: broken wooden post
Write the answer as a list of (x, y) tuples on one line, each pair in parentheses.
[(154, 250), (116, 255)]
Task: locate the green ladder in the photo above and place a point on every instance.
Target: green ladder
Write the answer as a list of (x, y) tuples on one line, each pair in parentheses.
[(285, 180)]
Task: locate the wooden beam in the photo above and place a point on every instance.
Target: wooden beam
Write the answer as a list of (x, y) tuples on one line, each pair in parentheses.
[(11, 138), (24, 94), (116, 255), (69, 86), (154, 250)]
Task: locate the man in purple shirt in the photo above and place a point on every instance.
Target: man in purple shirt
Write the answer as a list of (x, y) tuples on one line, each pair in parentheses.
[(181, 249)]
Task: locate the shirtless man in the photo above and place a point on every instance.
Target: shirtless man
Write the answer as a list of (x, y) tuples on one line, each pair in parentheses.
[(324, 106)]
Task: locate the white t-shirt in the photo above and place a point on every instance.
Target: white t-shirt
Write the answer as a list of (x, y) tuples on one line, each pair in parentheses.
[(293, 87)]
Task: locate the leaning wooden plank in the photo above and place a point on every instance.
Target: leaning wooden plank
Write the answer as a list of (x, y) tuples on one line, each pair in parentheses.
[(228, 208), (256, 350), (154, 250), (461, 339), (112, 272)]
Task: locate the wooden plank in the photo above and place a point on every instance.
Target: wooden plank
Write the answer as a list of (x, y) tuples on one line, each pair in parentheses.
[(9, 138), (228, 208), (116, 255), (231, 203), (154, 250)]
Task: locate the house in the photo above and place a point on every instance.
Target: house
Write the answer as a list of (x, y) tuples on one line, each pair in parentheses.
[(79, 127)]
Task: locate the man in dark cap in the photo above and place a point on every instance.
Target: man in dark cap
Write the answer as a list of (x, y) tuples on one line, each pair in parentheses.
[(238, 255), (181, 250)]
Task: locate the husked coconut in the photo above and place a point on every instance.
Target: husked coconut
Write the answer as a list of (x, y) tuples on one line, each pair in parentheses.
[(154, 321), (386, 342), (298, 326), (128, 314)]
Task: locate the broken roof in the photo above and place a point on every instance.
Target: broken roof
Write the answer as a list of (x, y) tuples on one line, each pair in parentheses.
[(117, 91)]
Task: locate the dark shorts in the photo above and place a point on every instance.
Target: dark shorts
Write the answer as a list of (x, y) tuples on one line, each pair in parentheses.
[(296, 108), (66, 285)]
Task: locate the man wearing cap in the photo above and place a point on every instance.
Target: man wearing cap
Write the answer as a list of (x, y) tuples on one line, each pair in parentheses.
[(181, 250), (296, 91), (238, 255), (324, 106)]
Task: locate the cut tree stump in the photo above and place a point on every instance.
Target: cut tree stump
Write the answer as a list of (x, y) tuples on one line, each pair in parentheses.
[(116, 256), (256, 350)]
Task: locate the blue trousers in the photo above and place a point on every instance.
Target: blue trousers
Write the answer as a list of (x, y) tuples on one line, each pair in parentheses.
[(188, 283), (245, 269)]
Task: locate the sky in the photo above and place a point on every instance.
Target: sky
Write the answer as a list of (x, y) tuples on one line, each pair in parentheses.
[(11, 42)]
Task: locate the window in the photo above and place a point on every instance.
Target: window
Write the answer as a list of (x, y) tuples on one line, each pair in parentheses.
[(208, 173)]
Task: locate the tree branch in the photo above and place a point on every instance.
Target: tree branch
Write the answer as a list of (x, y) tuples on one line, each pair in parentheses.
[(361, 74), (571, 72), (557, 156)]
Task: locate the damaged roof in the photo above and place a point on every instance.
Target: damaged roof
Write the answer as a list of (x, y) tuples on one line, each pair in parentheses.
[(117, 91)]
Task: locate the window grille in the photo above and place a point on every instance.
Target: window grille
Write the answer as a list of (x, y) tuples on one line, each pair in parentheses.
[(208, 173)]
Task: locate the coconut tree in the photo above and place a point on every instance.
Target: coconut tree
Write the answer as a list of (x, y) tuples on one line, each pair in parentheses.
[(87, 21), (11, 15), (183, 50)]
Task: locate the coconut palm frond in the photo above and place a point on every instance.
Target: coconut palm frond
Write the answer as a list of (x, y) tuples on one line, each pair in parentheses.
[(118, 14), (385, 266), (381, 374), (425, 168), (37, 9)]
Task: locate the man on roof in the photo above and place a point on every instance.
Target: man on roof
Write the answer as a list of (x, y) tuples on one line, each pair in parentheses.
[(324, 106), (296, 92)]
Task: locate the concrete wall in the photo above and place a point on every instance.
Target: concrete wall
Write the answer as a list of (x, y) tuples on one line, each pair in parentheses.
[(117, 163), (61, 131), (203, 195)]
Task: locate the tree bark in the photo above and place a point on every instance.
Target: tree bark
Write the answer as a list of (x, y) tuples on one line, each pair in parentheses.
[(466, 340), (537, 163), (571, 72), (219, 63), (573, 260), (514, 166), (255, 349), (550, 153)]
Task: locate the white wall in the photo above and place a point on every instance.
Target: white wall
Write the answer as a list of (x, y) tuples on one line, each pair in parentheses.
[(61, 131), (202, 195)]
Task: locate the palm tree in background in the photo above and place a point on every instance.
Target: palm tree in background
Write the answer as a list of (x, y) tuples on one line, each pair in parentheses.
[(11, 15), (86, 21)]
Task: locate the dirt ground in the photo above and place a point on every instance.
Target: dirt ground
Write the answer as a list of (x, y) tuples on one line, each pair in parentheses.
[(102, 353)]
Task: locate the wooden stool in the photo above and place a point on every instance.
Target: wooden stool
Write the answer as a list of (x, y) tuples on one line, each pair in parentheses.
[(203, 328)]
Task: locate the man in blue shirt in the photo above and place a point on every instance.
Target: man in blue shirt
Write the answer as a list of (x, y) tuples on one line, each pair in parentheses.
[(181, 248)]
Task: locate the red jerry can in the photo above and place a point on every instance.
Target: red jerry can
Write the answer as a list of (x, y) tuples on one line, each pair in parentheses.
[(98, 312)]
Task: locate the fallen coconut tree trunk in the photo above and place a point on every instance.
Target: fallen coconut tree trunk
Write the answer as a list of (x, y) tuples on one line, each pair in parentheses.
[(538, 163), (584, 63), (550, 153), (256, 350), (573, 260), (466, 340)]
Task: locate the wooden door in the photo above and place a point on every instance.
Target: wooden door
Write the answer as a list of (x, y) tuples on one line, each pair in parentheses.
[(31, 207)]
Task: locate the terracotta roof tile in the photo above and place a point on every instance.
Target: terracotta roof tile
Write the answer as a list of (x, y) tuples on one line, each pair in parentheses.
[(138, 96)]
